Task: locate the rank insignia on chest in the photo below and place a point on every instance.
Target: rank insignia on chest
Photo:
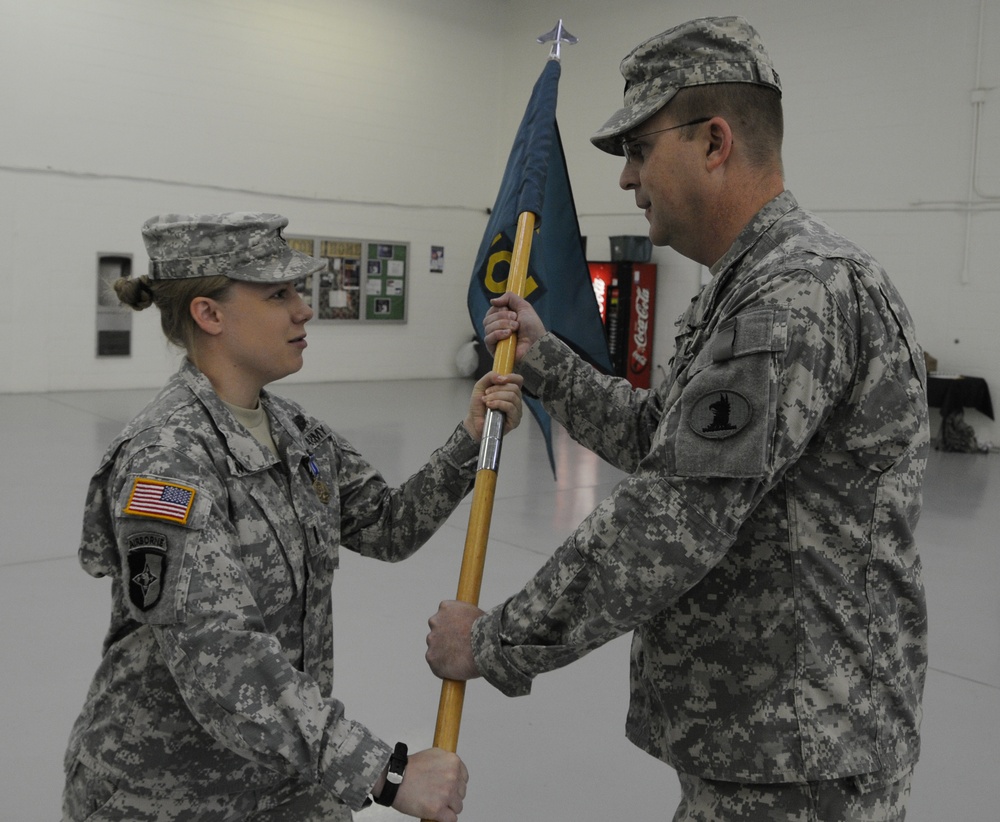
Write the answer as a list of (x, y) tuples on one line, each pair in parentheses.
[(159, 499)]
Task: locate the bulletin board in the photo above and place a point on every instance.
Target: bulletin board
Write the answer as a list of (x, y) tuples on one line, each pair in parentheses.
[(364, 280)]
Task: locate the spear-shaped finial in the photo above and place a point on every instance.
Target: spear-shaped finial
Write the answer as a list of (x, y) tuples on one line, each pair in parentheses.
[(557, 36)]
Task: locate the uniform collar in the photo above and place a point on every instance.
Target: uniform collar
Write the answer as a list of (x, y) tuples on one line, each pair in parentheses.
[(748, 239), (247, 454), (295, 434), (754, 230)]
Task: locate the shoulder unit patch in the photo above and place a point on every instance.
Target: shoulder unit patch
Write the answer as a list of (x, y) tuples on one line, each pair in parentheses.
[(147, 566), (720, 414)]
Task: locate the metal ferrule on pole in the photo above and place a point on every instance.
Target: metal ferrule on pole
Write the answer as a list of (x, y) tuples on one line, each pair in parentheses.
[(489, 446)]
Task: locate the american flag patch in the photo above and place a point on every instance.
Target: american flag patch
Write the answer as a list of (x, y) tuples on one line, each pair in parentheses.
[(160, 500)]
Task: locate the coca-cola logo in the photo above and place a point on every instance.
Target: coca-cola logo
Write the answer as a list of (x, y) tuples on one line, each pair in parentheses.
[(640, 336)]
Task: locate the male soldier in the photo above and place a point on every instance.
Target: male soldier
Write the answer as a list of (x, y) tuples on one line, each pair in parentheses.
[(761, 548)]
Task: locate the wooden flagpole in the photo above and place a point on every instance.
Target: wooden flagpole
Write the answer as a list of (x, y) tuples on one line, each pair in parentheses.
[(470, 580), (473, 560)]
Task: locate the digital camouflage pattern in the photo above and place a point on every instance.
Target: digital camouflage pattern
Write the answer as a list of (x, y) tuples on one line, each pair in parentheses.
[(854, 798), (217, 670), (762, 546), (91, 798), (696, 53), (241, 245)]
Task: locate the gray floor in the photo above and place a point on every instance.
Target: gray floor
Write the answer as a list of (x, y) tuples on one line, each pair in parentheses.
[(559, 754)]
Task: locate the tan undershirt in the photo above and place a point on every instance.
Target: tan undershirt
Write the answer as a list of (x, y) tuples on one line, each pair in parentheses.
[(256, 422)]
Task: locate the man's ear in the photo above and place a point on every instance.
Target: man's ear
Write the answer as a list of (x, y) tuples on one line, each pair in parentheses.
[(207, 315), (720, 143)]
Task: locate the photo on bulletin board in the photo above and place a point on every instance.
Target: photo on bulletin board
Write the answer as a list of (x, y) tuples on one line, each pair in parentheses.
[(363, 279)]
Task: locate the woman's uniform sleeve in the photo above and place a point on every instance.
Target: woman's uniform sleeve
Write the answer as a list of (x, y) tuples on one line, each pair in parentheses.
[(220, 613), (391, 523)]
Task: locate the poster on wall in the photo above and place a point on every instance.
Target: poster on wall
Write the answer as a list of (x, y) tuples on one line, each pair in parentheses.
[(437, 259), (363, 280)]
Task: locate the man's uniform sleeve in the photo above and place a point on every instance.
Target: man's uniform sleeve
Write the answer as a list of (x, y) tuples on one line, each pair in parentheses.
[(739, 415), (602, 412)]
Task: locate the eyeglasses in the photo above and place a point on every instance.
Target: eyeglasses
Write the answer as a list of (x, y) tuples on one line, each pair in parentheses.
[(632, 151)]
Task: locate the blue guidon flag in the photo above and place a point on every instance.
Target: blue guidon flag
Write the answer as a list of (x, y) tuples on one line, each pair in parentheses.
[(558, 283)]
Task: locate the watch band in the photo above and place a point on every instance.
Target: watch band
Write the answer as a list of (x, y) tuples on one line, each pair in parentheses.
[(394, 776)]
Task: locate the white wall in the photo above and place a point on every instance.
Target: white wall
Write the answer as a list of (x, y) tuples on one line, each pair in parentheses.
[(328, 110), (878, 142), (355, 118)]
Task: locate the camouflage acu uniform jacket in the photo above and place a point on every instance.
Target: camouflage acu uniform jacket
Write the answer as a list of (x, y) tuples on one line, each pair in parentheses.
[(762, 545), (217, 670)]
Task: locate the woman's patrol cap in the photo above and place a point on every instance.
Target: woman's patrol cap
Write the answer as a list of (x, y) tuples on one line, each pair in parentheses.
[(241, 245), (698, 53)]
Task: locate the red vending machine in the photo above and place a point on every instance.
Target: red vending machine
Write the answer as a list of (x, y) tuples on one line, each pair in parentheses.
[(626, 294)]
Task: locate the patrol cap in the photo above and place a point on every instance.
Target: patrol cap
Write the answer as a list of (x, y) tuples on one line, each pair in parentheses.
[(241, 245), (697, 53)]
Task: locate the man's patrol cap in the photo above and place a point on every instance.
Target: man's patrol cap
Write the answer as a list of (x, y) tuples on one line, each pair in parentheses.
[(241, 245), (697, 53)]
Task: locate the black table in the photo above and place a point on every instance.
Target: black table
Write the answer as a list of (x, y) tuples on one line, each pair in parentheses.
[(952, 394)]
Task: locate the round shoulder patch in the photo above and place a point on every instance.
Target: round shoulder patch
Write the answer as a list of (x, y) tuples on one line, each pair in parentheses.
[(720, 414)]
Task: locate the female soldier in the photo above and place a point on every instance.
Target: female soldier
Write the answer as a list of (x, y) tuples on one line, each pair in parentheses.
[(218, 513)]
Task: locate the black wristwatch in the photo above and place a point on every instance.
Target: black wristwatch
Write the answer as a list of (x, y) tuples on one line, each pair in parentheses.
[(394, 776)]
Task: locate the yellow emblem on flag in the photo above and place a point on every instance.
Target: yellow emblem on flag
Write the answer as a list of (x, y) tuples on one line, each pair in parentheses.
[(498, 268)]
